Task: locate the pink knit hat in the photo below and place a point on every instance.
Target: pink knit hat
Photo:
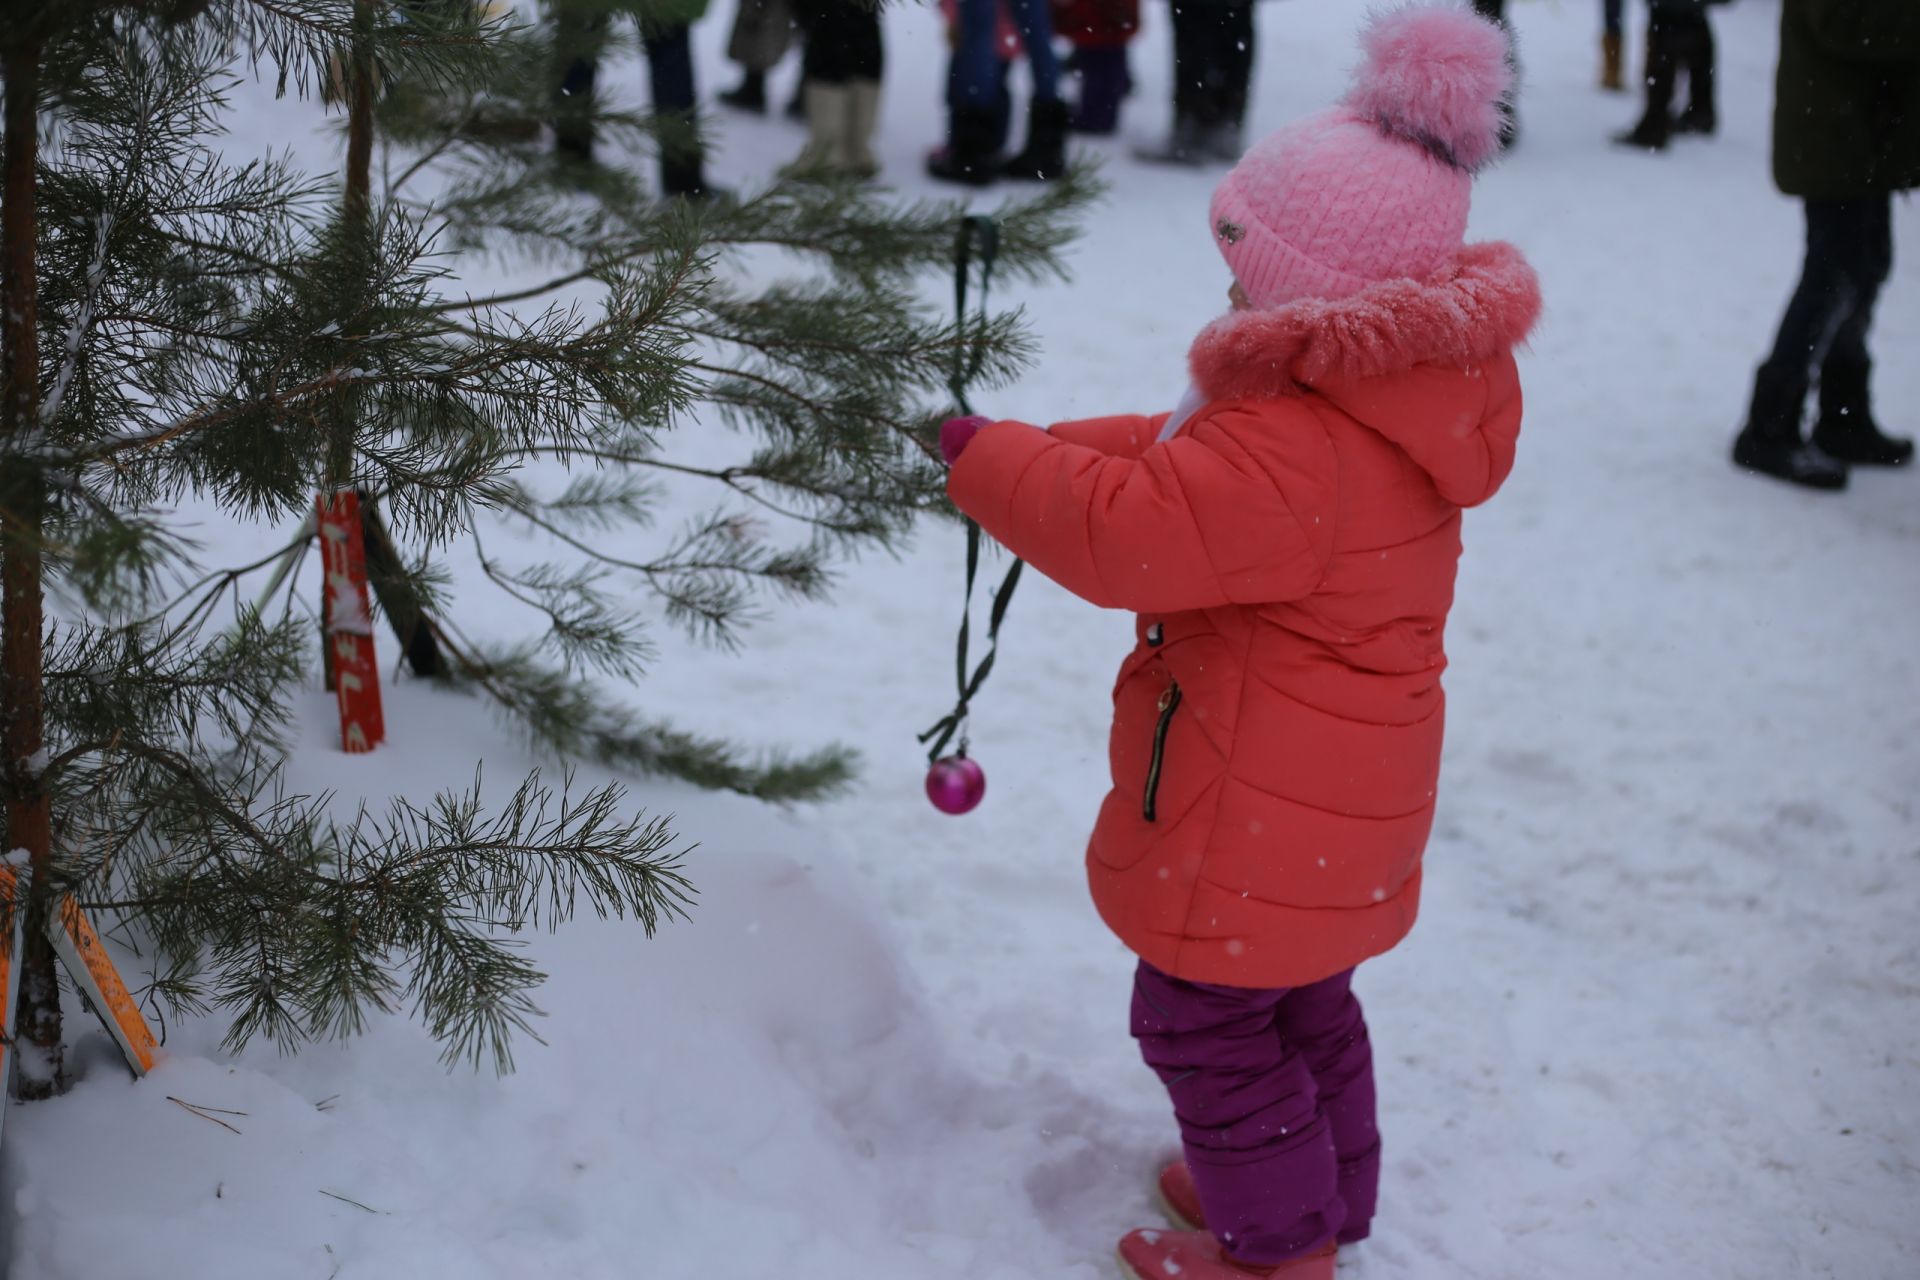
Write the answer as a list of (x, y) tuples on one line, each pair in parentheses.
[(1377, 187)]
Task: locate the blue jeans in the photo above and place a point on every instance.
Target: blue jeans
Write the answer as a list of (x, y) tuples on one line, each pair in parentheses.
[(976, 60)]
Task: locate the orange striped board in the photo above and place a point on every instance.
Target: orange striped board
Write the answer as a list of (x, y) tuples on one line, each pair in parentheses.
[(10, 940), (92, 971)]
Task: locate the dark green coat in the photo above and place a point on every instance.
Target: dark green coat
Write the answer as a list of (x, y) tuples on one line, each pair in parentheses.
[(1846, 116)]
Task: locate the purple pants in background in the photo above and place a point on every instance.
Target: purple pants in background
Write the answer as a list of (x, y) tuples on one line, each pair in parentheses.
[(1274, 1094)]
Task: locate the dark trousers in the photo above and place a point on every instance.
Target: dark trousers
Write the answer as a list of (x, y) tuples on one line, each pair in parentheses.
[(1104, 81), (1613, 16), (1496, 11), (1273, 1090), (1212, 60), (1849, 257), (1680, 40), (669, 61), (843, 40), (670, 78)]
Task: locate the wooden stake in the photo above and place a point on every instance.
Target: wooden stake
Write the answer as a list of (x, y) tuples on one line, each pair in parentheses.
[(349, 637), (14, 905), (92, 971)]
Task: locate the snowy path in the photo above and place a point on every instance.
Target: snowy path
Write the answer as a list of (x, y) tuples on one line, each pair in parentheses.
[(1662, 1011)]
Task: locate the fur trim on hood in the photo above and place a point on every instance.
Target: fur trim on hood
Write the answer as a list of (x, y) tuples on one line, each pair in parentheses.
[(1484, 304)]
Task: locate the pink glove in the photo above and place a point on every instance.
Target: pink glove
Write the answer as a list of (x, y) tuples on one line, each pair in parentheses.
[(957, 433)]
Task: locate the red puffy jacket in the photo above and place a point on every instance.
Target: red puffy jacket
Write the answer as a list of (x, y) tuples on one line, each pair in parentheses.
[(1291, 554)]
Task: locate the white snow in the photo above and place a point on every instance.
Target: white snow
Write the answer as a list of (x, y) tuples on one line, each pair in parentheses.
[(1661, 1014)]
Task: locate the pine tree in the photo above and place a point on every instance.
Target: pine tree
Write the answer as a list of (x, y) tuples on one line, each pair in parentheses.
[(179, 328)]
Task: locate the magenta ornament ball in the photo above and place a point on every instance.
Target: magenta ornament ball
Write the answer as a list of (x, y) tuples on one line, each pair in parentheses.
[(955, 784)]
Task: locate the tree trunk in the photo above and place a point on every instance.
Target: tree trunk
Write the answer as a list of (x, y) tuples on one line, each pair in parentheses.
[(397, 600), (29, 812), (356, 211), (386, 573)]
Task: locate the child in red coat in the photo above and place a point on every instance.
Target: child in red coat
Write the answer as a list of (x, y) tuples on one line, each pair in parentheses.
[(1289, 538), (1099, 31)]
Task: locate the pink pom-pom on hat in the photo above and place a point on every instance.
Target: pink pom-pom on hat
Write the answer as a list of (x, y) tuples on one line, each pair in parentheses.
[(1378, 187), (1438, 78)]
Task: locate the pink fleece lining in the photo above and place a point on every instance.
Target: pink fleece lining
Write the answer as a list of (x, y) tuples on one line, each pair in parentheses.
[(1482, 304)]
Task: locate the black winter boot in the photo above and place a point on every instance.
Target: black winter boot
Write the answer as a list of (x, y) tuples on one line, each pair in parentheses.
[(1044, 159), (1846, 429), (749, 95), (970, 155), (1655, 129), (1770, 442), (683, 175)]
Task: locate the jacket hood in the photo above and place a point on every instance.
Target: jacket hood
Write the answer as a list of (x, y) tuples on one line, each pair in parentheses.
[(1405, 357)]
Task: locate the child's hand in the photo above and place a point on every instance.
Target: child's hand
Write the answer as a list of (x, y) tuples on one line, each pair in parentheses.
[(957, 433)]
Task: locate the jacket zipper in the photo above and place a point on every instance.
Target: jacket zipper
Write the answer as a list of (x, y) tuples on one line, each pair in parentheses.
[(1169, 703)]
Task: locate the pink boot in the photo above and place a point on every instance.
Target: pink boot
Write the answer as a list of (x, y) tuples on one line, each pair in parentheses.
[(1196, 1255), (1178, 1198)]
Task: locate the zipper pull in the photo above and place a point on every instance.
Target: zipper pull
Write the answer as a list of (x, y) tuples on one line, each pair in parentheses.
[(1166, 699)]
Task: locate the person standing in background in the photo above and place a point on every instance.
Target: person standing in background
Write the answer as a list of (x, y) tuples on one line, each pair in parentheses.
[(1678, 37), (1212, 77), (1846, 136), (1099, 31), (762, 34), (580, 32), (842, 66), (976, 122)]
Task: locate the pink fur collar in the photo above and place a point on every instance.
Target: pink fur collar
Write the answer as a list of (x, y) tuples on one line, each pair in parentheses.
[(1482, 305)]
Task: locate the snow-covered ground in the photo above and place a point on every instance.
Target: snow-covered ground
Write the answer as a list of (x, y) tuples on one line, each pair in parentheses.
[(1661, 1014)]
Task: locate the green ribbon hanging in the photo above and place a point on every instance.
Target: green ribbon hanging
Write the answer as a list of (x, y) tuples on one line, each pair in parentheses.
[(978, 238)]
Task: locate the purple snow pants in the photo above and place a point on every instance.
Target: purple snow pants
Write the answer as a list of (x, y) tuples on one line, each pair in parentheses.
[(1274, 1094)]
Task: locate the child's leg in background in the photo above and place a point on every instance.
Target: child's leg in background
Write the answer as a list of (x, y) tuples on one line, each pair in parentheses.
[(1035, 20), (670, 76), (1261, 1151), (1103, 83), (976, 54), (1613, 22), (1324, 1023)]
